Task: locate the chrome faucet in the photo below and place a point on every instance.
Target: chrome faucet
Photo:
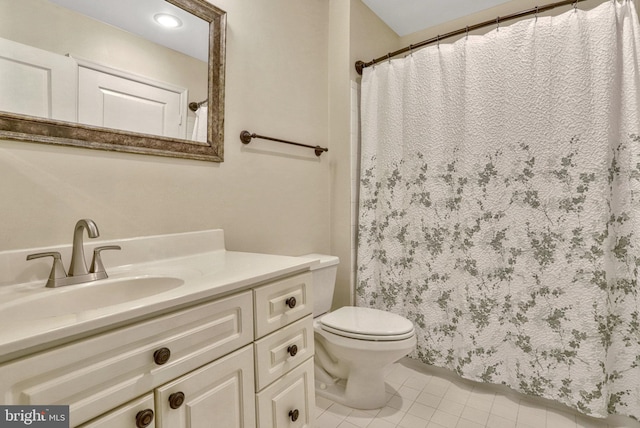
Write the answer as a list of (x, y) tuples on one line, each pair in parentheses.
[(78, 272)]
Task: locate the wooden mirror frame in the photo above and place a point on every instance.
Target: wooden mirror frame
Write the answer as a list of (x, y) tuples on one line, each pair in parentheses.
[(39, 130)]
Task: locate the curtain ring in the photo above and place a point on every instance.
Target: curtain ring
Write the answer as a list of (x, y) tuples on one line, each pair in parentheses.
[(467, 32), (498, 23), (438, 40), (536, 13), (389, 57), (410, 50), (575, 6)]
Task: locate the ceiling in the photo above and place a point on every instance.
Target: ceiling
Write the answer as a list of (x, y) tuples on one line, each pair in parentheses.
[(408, 16), (137, 17), (402, 16)]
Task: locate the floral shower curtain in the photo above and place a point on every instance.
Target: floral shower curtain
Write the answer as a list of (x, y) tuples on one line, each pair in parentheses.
[(500, 205)]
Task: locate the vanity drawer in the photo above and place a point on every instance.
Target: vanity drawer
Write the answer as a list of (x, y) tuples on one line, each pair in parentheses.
[(125, 416), (291, 397), (105, 371), (283, 350), (282, 302)]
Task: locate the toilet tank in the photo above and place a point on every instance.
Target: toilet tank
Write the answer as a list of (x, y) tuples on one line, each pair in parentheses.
[(324, 280)]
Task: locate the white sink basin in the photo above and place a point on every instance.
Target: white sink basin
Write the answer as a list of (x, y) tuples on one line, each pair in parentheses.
[(74, 299)]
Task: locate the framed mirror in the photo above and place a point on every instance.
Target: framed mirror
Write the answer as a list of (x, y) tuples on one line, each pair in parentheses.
[(86, 96)]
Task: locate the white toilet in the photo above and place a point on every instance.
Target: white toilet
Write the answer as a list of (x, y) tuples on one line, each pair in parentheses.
[(353, 345)]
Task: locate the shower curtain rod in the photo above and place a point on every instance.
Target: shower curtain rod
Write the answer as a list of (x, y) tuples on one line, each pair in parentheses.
[(360, 65)]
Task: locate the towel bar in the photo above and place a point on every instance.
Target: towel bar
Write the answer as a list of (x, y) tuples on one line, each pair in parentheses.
[(246, 136)]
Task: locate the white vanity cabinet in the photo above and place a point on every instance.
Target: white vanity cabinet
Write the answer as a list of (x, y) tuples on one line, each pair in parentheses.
[(240, 361), (285, 395), (101, 373)]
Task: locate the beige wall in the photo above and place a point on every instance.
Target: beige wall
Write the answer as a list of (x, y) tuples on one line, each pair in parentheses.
[(268, 198), (354, 31), (370, 37), (339, 117)]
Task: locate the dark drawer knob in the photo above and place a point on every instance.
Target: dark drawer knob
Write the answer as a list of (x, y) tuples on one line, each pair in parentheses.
[(291, 302), (294, 414), (292, 350), (144, 418), (161, 356), (176, 399)]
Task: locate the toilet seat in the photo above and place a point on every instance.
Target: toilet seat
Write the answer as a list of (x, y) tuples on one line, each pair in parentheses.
[(367, 324)]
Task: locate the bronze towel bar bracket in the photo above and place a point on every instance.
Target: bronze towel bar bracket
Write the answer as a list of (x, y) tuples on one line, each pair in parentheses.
[(246, 136), (193, 106), (360, 65)]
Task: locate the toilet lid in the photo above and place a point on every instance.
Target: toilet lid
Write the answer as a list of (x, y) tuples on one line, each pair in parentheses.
[(367, 324)]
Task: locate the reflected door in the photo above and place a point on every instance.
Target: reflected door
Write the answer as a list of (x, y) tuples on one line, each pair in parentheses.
[(36, 82), (118, 100)]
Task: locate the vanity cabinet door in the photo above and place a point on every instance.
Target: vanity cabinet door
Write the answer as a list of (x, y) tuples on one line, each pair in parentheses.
[(289, 402), (136, 414), (220, 394)]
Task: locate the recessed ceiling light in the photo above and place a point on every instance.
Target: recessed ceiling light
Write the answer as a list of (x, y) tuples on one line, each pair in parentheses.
[(167, 20)]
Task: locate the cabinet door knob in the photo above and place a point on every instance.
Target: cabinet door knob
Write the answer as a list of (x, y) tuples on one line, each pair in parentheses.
[(144, 418), (292, 350), (176, 399), (161, 356), (294, 414), (291, 302)]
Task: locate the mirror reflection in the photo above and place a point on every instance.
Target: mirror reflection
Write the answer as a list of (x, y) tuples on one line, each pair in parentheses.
[(43, 101), (105, 65)]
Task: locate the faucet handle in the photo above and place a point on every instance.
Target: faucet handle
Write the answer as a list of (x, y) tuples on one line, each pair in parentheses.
[(57, 270), (96, 264)]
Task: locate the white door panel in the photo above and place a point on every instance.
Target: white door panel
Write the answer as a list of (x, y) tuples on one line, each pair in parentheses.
[(132, 113), (119, 100), (38, 83)]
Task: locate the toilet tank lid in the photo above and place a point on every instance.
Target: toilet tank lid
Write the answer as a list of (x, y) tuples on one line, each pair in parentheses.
[(324, 260)]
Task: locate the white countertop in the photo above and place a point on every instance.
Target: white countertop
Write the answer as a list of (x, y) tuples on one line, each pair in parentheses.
[(197, 258)]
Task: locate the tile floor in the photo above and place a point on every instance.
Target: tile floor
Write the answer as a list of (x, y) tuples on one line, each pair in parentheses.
[(420, 396)]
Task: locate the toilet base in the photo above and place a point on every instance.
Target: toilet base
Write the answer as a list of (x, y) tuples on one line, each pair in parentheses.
[(331, 391), (351, 371), (358, 392)]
